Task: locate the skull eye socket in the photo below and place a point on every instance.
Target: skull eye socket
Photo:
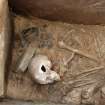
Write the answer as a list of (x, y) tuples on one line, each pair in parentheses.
[(43, 68)]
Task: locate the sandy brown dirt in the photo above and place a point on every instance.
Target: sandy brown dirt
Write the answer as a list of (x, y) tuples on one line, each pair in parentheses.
[(19, 102), (81, 79), (71, 11)]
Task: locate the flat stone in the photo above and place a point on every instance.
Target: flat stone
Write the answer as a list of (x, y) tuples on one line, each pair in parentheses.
[(4, 42), (23, 61)]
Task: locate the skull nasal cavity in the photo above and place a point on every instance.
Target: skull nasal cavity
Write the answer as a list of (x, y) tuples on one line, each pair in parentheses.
[(43, 68)]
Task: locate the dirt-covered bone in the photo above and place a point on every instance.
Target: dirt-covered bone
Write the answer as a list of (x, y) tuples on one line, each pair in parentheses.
[(40, 69), (64, 46)]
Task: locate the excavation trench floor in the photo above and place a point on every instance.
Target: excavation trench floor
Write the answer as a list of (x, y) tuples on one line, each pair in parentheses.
[(18, 102), (82, 78)]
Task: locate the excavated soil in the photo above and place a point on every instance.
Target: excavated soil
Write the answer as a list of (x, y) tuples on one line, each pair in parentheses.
[(82, 79)]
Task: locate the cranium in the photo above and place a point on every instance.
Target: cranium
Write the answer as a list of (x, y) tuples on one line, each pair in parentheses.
[(40, 70)]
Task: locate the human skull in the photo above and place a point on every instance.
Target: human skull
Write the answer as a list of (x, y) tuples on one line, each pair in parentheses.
[(40, 70)]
